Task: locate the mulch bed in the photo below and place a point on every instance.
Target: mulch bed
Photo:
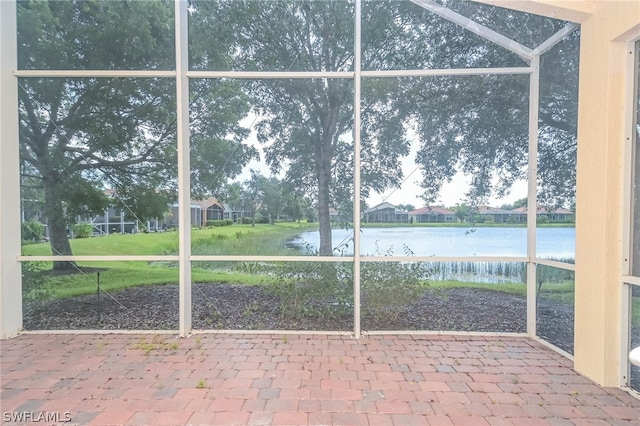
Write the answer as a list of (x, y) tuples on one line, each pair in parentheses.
[(226, 306)]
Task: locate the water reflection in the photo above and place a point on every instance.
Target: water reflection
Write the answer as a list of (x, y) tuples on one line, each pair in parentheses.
[(556, 243)]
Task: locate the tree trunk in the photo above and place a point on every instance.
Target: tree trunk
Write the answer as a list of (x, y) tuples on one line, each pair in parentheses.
[(324, 219), (57, 225)]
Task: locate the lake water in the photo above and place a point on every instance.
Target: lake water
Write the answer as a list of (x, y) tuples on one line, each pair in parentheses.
[(452, 241)]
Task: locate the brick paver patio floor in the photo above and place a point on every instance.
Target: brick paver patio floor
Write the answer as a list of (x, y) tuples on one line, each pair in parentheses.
[(214, 379)]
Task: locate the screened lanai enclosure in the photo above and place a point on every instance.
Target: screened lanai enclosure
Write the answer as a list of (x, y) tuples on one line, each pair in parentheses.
[(347, 167)]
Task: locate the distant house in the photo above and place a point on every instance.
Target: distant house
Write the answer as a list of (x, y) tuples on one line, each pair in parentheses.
[(432, 214), (235, 214), (495, 214), (386, 213), (554, 215), (171, 220), (210, 209)]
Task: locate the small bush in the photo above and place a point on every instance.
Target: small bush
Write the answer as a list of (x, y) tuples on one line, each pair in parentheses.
[(216, 223), (32, 230), (82, 230), (543, 219), (247, 221), (261, 218), (512, 219), (35, 281), (325, 290)]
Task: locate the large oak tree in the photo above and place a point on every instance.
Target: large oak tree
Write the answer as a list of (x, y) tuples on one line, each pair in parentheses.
[(476, 125), (80, 136)]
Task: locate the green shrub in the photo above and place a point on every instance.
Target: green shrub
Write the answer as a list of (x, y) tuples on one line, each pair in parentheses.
[(388, 288), (512, 219), (216, 223), (36, 283), (261, 218), (82, 230), (325, 290), (543, 219), (246, 221), (32, 230)]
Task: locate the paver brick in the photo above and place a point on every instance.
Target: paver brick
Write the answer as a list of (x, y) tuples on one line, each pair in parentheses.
[(312, 379)]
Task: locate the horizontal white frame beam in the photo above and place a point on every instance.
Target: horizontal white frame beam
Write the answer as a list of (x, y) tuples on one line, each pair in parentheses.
[(123, 258), (476, 28), (442, 333), (516, 259), (335, 259), (555, 264), (261, 75), (93, 73), (256, 258), (552, 347), (267, 75), (630, 279), (447, 72), (102, 331), (274, 332)]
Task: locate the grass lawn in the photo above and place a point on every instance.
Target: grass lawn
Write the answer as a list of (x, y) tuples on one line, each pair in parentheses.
[(262, 239)]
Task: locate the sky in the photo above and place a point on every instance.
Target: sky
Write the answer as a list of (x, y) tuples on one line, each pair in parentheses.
[(452, 193)]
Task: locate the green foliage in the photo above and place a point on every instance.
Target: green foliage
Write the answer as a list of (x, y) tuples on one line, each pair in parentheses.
[(318, 290), (36, 284), (82, 230), (542, 219), (313, 289), (217, 223), (388, 288), (32, 230), (311, 215), (479, 218), (246, 221)]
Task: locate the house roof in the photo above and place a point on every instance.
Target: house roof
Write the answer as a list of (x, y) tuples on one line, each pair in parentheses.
[(431, 210), (209, 202), (493, 210), (543, 210), (383, 206)]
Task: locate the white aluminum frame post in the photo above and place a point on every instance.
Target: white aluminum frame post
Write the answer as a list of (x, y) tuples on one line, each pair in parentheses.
[(10, 239), (184, 164), (532, 193), (357, 98)]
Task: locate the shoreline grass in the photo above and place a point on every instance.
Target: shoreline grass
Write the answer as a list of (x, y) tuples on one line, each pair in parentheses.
[(229, 240)]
